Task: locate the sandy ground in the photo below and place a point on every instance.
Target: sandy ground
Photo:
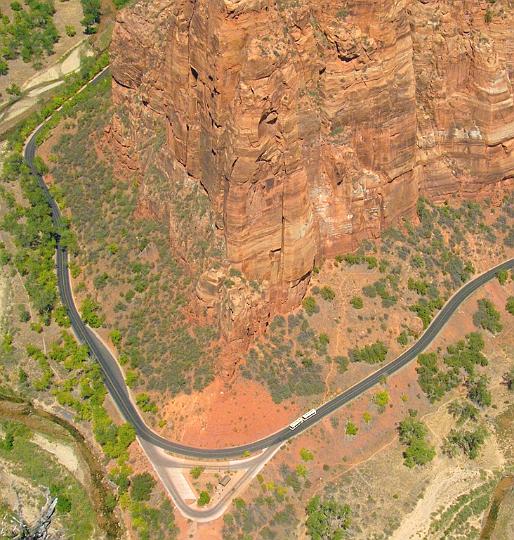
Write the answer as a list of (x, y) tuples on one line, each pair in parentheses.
[(44, 81), (64, 454), (70, 63), (447, 484), (13, 488)]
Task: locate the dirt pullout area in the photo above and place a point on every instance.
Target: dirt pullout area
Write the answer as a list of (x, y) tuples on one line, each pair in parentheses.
[(221, 416)]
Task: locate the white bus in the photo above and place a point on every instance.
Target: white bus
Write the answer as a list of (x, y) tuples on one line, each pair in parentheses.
[(308, 414), (296, 423)]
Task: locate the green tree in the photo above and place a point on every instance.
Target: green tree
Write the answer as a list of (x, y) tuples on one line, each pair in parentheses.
[(372, 354), (478, 392), (419, 452), (351, 428), (145, 404), (204, 498), (195, 472), (310, 306), (327, 293), (61, 317), (357, 302), (509, 378), (381, 399), (13, 90), (131, 378), (502, 276), (89, 313), (327, 520), (509, 306), (413, 434), (306, 454), (487, 317), (92, 14), (141, 486), (115, 336)]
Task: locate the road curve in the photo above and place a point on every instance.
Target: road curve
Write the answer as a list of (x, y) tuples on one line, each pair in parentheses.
[(115, 382)]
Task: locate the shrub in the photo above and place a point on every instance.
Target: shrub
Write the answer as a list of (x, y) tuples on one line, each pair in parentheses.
[(195, 472), (327, 519), (351, 428), (509, 306), (141, 486), (204, 498), (306, 454), (381, 399), (327, 293), (70, 30), (487, 317), (310, 306), (412, 433), (357, 302), (372, 354), (503, 276)]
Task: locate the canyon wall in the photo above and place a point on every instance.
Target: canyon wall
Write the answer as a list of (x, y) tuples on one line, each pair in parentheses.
[(311, 124)]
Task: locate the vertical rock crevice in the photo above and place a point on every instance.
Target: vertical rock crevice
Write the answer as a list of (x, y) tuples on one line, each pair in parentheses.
[(312, 125)]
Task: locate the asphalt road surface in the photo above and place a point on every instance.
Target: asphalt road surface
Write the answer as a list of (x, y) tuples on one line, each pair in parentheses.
[(115, 382)]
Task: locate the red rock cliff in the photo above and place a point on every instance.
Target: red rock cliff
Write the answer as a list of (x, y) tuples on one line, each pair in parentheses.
[(312, 124)]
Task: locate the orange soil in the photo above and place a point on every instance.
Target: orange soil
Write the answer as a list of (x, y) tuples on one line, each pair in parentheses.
[(225, 415)]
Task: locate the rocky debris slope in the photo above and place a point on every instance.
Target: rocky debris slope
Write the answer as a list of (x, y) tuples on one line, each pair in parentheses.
[(311, 124)]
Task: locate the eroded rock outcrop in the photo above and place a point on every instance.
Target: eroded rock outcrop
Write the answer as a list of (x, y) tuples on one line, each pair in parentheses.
[(310, 124)]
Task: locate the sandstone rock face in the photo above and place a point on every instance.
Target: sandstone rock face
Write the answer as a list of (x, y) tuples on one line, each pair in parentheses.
[(311, 124)]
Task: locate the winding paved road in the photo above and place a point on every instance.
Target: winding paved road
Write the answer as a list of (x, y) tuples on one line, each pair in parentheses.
[(115, 382)]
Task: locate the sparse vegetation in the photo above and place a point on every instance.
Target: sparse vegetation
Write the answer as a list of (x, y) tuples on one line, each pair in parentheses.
[(288, 361)]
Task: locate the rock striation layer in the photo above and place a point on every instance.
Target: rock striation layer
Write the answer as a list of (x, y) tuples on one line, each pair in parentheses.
[(311, 124)]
